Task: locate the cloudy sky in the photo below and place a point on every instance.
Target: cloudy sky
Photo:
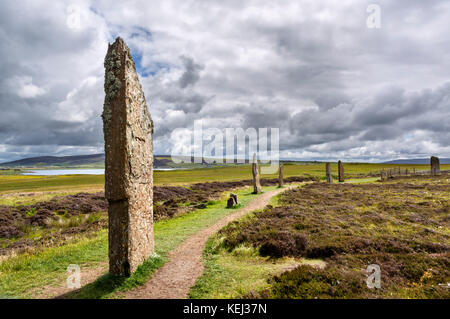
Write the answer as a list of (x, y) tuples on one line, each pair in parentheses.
[(333, 86)]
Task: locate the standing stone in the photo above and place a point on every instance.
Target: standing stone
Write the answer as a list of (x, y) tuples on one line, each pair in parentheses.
[(383, 175), (280, 176), (235, 198), (414, 171), (128, 131), (341, 172), (328, 171), (256, 183), (232, 201), (435, 165)]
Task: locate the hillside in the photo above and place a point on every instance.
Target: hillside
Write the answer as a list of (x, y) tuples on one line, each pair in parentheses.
[(71, 161), (57, 161), (161, 161), (98, 161)]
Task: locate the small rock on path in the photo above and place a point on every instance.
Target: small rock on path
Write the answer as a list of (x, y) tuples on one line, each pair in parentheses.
[(185, 266)]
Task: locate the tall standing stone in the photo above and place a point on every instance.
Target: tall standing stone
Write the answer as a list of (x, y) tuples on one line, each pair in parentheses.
[(328, 172), (341, 171), (435, 165), (256, 183), (280, 176), (128, 131)]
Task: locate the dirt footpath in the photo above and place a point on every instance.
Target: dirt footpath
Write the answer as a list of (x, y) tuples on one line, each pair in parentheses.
[(185, 266)]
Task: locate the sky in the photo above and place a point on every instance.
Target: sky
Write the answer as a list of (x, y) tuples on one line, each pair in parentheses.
[(340, 79)]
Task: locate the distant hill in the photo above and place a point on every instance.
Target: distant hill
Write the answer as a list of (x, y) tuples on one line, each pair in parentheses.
[(417, 161), (58, 161), (160, 161), (98, 160)]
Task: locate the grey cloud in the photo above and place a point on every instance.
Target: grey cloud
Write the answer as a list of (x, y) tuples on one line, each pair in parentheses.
[(334, 87), (191, 73)]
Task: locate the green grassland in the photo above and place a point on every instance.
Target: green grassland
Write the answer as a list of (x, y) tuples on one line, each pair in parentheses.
[(26, 275), (401, 225), (20, 183), (243, 271)]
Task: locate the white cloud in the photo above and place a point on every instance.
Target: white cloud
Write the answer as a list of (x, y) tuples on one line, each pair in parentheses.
[(25, 88), (311, 68)]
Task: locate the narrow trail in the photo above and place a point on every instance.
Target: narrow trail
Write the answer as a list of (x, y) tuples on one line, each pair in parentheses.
[(185, 264)]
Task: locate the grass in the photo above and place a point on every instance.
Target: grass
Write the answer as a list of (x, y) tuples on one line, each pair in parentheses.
[(11, 171), (20, 183), (23, 275), (401, 225), (237, 274)]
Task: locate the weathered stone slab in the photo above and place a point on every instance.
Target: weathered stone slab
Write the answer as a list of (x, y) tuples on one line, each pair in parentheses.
[(128, 132), (341, 171), (255, 170), (435, 165), (328, 172), (280, 176), (232, 201)]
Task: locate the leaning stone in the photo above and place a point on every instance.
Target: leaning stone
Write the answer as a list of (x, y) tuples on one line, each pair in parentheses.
[(328, 172), (128, 132), (341, 171), (255, 170), (230, 202), (235, 197), (435, 165)]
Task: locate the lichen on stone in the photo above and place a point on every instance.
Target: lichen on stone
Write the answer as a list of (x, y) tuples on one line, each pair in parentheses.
[(107, 114), (112, 66), (112, 83)]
